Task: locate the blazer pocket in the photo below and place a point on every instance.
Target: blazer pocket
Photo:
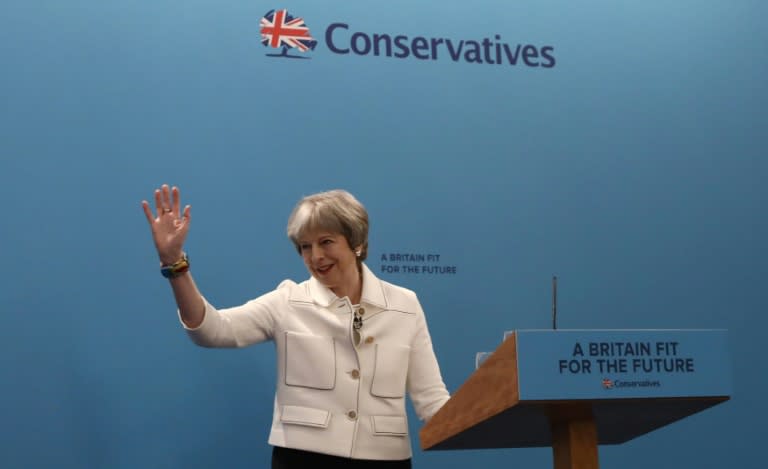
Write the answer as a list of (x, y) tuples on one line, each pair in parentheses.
[(390, 370), (389, 425), (310, 361), (305, 416)]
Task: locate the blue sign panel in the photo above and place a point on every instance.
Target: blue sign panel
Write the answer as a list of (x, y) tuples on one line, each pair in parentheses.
[(611, 364)]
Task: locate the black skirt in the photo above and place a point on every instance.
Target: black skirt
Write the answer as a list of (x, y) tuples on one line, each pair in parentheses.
[(289, 458)]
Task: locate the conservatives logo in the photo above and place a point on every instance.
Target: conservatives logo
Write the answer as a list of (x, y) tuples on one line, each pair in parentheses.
[(280, 30), (616, 383)]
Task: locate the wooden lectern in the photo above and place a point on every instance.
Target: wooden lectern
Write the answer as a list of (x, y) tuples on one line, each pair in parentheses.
[(575, 390)]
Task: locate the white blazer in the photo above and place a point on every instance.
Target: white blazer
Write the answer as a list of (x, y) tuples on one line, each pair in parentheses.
[(333, 397)]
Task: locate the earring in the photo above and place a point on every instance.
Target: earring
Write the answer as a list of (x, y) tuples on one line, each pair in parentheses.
[(358, 252)]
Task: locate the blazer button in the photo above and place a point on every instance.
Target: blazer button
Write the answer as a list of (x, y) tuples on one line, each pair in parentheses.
[(361, 311), (369, 339), (352, 415), (355, 374)]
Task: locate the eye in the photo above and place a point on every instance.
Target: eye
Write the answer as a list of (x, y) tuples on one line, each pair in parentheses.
[(304, 246), (327, 241)]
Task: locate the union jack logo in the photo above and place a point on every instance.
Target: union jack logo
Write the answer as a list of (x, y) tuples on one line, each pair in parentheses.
[(607, 383), (280, 29)]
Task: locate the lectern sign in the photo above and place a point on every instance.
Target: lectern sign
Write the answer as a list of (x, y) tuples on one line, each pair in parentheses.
[(608, 364), (574, 390)]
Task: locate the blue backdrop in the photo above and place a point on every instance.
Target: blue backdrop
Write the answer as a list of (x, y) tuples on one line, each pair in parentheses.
[(631, 166)]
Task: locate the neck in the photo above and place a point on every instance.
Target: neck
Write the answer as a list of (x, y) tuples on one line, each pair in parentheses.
[(353, 289)]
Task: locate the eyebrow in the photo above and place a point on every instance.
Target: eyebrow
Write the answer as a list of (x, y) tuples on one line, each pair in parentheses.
[(321, 236)]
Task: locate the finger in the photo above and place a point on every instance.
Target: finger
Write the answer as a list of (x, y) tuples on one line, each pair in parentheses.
[(166, 198), (158, 202), (176, 200), (185, 219), (147, 211)]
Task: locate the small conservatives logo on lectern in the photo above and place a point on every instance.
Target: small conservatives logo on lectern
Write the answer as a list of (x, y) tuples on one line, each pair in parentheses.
[(607, 383), (280, 30)]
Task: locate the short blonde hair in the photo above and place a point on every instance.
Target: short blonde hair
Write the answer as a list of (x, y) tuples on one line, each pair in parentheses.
[(335, 211)]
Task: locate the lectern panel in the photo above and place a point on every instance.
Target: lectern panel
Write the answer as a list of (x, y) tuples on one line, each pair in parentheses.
[(621, 364)]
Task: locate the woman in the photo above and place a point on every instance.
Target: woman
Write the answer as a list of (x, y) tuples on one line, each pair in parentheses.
[(349, 346)]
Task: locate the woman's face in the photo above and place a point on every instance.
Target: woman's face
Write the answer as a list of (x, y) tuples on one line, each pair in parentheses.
[(330, 259)]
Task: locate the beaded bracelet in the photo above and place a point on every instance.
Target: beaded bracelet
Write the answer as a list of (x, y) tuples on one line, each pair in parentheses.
[(177, 268)]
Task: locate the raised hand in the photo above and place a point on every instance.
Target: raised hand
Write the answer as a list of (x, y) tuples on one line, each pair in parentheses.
[(169, 226)]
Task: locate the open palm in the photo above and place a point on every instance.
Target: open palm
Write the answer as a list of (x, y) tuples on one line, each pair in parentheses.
[(169, 225)]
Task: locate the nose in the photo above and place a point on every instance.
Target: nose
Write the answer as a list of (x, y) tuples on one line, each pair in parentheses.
[(317, 253)]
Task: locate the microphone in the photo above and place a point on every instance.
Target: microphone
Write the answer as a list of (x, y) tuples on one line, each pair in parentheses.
[(554, 302)]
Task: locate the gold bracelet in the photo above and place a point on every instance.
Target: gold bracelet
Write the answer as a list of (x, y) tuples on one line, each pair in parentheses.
[(177, 268)]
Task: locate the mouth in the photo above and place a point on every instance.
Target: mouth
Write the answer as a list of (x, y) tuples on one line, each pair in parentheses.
[(324, 269)]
